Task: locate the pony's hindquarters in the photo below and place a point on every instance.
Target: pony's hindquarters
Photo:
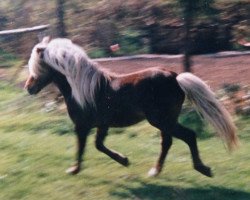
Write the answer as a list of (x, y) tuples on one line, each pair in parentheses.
[(204, 100)]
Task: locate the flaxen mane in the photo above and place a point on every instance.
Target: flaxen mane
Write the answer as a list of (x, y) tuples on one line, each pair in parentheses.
[(82, 73)]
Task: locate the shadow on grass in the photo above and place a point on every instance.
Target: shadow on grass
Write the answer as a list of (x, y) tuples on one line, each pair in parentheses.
[(159, 192)]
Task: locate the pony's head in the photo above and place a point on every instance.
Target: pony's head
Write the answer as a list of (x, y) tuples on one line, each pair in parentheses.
[(39, 72)]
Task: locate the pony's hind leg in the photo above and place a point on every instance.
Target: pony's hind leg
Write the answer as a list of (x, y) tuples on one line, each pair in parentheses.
[(100, 137), (166, 142), (189, 137), (166, 125)]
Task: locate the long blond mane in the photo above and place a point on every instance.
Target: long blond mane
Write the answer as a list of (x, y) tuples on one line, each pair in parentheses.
[(83, 75)]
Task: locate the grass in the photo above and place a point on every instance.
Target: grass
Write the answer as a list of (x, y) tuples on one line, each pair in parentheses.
[(35, 152), (7, 59)]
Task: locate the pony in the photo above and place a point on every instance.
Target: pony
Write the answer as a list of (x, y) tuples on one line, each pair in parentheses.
[(96, 97)]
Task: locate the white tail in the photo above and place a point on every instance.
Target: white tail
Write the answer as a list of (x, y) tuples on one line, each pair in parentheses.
[(199, 93)]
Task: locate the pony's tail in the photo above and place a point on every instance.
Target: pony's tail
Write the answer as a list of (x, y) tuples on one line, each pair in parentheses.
[(199, 93)]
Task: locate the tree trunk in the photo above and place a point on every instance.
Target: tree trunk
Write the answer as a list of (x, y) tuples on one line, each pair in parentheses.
[(188, 18), (61, 29), (187, 46)]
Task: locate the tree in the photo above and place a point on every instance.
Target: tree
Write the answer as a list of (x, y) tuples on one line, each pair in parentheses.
[(188, 17), (61, 29), (190, 10)]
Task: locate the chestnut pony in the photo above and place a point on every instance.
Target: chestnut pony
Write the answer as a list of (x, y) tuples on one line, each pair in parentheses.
[(99, 98)]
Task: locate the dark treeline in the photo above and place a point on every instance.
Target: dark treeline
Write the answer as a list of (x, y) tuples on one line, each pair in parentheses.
[(140, 26)]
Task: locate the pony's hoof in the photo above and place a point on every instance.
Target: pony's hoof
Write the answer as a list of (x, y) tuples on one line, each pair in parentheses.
[(204, 170), (153, 172), (73, 170), (125, 162)]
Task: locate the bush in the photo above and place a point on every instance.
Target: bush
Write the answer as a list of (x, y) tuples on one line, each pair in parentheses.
[(132, 42), (191, 119), (97, 53)]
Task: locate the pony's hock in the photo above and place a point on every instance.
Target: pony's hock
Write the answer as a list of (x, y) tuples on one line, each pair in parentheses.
[(98, 98)]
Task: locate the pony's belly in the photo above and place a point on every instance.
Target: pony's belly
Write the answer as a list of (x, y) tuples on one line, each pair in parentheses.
[(126, 119)]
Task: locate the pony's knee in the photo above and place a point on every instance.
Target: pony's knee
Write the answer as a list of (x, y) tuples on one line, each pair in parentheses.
[(99, 146), (167, 142), (184, 133)]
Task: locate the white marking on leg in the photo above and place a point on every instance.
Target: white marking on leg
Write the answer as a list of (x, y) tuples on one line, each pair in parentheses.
[(153, 172)]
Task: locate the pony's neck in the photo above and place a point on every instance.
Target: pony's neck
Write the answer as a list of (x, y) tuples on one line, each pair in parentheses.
[(83, 75), (86, 82), (76, 113), (63, 86)]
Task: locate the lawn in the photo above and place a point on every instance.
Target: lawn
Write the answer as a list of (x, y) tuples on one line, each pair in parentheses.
[(36, 147)]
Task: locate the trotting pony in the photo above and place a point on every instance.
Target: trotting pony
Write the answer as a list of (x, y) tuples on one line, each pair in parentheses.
[(98, 98)]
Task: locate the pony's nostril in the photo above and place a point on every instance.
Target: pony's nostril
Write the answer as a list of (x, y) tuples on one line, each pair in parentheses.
[(29, 91), (32, 91)]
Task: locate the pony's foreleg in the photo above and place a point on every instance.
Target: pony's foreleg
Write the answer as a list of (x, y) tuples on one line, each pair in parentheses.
[(82, 134), (166, 143), (189, 137), (100, 137)]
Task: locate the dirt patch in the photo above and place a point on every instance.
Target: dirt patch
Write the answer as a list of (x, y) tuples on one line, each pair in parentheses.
[(215, 70)]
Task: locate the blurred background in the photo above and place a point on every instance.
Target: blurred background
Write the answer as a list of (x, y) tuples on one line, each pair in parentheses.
[(138, 26), (210, 38)]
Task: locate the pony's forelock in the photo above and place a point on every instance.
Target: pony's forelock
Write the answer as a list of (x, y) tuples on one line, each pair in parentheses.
[(34, 63)]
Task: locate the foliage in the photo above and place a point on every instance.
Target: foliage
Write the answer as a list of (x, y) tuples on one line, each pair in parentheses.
[(197, 7), (155, 21), (132, 42), (97, 53), (7, 59), (191, 119)]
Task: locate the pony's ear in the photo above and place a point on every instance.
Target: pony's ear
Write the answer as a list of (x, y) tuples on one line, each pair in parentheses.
[(46, 40), (40, 50)]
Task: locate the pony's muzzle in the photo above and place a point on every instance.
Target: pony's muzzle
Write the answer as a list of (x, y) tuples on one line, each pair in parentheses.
[(32, 91), (29, 86)]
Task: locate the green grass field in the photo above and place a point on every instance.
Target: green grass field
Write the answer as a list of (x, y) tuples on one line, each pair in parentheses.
[(36, 147)]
